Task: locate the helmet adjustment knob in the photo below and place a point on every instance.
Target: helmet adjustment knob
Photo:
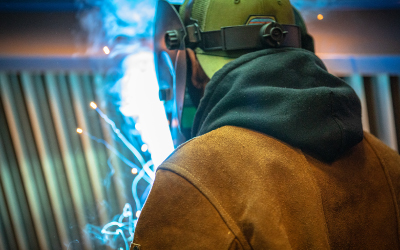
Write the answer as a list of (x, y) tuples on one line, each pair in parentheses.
[(272, 34), (172, 39)]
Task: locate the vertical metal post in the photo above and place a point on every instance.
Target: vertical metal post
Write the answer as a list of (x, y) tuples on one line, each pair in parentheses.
[(395, 90), (357, 83), (383, 101)]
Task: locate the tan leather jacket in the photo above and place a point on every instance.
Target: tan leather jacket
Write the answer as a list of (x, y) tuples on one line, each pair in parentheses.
[(235, 188)]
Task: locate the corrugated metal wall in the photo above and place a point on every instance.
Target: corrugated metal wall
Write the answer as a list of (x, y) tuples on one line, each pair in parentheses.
[(54, 181)]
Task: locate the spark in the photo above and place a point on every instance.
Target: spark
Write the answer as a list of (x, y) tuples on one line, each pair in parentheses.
[(79, 130), (106, 50), (135, 152), (118, 154), (135, 182), (93, 105), (320, 17), (126, 222)]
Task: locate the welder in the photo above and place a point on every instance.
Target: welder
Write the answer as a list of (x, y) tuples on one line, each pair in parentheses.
[(277, 158)]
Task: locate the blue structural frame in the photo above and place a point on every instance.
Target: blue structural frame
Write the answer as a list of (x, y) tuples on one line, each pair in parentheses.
[(344, 65), (365, 65), (345, 4), (68, 5), (100, 64), (41, 7)]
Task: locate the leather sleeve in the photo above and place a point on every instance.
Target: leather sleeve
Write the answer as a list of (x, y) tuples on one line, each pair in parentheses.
[(177, 216)]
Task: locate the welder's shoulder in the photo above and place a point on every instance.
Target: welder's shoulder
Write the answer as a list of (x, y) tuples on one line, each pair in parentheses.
[(178, 213), (230, 145), (387, 155), (389, 159), (178, 216), (186, 208)]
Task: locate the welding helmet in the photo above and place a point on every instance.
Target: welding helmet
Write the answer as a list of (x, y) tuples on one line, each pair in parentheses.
[(218, 31)]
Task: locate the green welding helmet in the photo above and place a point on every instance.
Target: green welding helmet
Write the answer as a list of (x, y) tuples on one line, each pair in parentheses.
[(218, 31)]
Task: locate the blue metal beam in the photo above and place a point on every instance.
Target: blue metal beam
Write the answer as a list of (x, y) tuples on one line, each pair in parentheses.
[(343, 65), (97, 64), (346, 4), (67, 5), (365, 65), (42, 7)]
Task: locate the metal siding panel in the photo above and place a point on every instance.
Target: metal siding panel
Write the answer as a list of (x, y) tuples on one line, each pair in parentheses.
[(11, 181), (7, 237), (78, 152), (60, 113), (4, 223), (78, 156), (30, 127), (59, 170), (58, 166), (43, 131), (22, 142), (13, 220)]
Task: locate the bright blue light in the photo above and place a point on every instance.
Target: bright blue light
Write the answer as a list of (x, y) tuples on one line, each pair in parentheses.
[(126, 28), (140, 101)]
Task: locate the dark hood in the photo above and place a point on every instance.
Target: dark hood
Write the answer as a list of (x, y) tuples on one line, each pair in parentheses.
[(287, 94)]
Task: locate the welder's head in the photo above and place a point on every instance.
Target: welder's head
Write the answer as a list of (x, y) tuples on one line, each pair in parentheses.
[(213, 15), (192, 45)]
